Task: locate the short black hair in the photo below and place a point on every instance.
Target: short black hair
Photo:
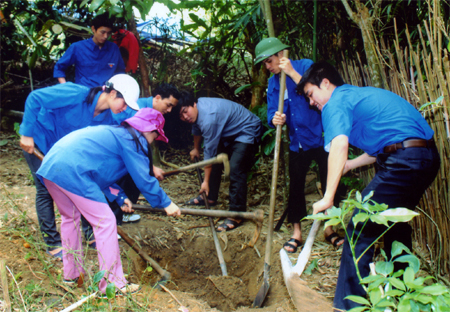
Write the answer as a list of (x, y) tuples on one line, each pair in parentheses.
[(165, 90), (187, 98), (316, 73), (103, 20)]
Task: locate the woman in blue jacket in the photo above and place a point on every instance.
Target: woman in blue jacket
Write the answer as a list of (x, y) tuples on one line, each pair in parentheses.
[(53, 112), (87, 157)]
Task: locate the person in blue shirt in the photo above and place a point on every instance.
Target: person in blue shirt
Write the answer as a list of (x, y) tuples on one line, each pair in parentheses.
[(226, 127), (85, 157), (165, 98), (393, 134), (53, 112), (96, 59), (305, 134)]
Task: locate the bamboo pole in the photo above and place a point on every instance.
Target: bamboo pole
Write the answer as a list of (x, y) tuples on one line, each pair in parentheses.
[(432, 80), (4, 278)]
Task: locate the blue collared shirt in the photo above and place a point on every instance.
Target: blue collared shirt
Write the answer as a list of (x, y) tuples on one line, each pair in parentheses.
[(53, 112), (304, 123), (89, 161), (221, 119), (371, 118), (93, 66)]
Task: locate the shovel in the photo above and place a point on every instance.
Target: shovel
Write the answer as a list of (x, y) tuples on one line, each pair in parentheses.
[(304, 298), (222, 263), (262, 293)]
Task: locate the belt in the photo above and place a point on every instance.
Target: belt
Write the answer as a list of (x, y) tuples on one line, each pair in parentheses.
[(409, 143)]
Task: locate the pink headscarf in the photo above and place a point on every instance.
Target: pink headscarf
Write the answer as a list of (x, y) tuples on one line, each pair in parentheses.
[(148, 120)]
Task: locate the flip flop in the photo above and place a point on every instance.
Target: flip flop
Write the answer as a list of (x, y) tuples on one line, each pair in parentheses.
[(92, 245), (338, 239), (57, 256), (226, 225), (290, 245), (198, 201)]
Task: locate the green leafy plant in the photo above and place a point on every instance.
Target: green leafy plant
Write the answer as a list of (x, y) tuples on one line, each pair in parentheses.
[(110, 288), (387, 290)]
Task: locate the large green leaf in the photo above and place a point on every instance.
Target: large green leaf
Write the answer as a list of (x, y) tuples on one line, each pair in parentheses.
[(95, 4), (394, 293), (397, 249), (359, 309), (379, 219), (412, 260), (98, 276), (408, 276), (198, 20), (404, 306), (385, 268), (399, 214), (360, 217), (358, 299), (375, 296), (435, 290), (246, 86), (397, 283), (332, 222), (84, 3), (111, 290)]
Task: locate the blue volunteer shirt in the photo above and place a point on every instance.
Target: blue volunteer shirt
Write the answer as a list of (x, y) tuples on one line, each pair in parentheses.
[(304, 123), (87, 162), (53, 112), (221, 119), (129, 112), (371, 118), (93, 66)]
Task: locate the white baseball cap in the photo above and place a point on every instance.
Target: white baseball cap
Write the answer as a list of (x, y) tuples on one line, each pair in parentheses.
[(128, 87)]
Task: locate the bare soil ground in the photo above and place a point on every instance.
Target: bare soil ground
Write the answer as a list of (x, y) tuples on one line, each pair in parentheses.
[(183, 246)]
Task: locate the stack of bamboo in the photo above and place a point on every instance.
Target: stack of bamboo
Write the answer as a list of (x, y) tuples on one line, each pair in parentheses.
[(421, 75)]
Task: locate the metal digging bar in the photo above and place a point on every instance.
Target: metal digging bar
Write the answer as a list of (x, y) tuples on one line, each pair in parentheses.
[(223, 265)]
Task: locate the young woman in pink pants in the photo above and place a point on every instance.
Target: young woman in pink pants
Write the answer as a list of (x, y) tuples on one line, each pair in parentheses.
[(85, 163)]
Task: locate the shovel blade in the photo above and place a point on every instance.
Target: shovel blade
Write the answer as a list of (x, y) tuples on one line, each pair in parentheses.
[(261, 296), (304, 298)]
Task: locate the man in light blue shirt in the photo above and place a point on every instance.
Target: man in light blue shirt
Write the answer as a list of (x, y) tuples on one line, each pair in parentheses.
[(96, 59), (226, 127)]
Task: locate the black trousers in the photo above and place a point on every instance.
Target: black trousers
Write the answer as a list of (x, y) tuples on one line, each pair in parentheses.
[(241, 157), (299, 163)]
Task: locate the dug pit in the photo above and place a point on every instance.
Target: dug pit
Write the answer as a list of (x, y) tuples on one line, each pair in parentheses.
[(185, 248)]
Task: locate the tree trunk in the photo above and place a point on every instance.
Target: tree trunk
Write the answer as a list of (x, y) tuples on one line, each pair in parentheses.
[(365, 22), (142, 63)]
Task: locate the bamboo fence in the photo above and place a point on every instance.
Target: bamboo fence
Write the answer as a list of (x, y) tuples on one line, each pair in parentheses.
[(421, 74)]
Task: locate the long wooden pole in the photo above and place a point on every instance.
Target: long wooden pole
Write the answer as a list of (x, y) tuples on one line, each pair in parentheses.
[(262, 293)]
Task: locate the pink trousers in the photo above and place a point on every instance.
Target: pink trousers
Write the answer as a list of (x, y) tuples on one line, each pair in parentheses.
[(102, 220)]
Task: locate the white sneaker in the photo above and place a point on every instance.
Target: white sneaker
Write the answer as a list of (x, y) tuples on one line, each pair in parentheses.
[(119, 237), (131, 218)]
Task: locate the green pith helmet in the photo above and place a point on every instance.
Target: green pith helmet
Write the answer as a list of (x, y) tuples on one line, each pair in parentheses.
[(268, 47)]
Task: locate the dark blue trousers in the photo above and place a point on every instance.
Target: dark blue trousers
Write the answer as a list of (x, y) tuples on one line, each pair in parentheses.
[(401, 180), (45, 209)]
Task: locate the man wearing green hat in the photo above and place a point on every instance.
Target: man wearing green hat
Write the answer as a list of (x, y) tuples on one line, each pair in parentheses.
[(305, 132)]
